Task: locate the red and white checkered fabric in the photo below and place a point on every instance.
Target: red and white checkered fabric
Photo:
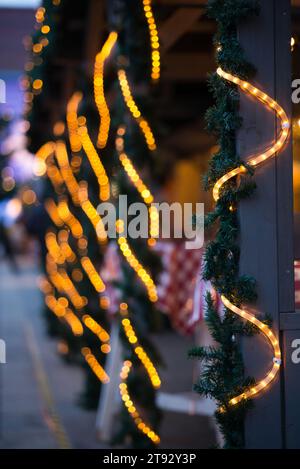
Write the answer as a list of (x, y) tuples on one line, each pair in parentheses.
[(181, 290), (176, 289), (110, 273)]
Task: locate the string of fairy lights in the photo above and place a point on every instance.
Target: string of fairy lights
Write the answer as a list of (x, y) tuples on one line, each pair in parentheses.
[(78, 191), (125, 396), (140, 352), (33, 87), (72, 121), (61, 251), (94, 159), (146, 195), (153, 216), (254, 161), (99, 93), (58, 252), (62, 173), (137, 181), (61, 215), (126, 368), (57, 255), (134, 110), (154, 40), (52, 160)]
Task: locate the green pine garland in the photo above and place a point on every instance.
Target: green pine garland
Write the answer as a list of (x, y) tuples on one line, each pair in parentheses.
[(223, 374), (38, 67), (134, 53), (45, 68)]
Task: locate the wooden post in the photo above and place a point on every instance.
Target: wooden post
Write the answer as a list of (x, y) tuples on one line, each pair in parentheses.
[(110, 400), (266, 221)]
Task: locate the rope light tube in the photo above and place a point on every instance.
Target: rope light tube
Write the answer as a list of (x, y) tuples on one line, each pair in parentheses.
[(125, 396), (134, 110), (255, 161), (99, 93)]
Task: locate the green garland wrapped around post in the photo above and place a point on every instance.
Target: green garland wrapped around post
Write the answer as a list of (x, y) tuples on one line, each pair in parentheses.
[(41, 46), (223, 369), (81, 331), (44, 80), (138, 317)]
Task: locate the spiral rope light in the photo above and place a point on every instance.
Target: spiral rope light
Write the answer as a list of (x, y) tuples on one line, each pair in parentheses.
[(137, 181), (57, 278), (95, 365), (78, 191), (63, 284), (79, 138), (41, 156), (66, 171), (275, 148), (96, 328), (99, 93), (148, 198), (59, 252), (51, 209), (130, 257), (69, 218), (140, 352), (95, 161), (72, 121), (60, 308), (154, 40), (125, 396), (134, 110), (55, 177), (254, 162), (92, 274), (138, 268)]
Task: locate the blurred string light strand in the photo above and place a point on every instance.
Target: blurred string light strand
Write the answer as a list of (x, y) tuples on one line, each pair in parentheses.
[(143, 190), (124, 246), (99, 92), (61, 214), (134, 110), (58, 276), (34, 86), (154, 40)]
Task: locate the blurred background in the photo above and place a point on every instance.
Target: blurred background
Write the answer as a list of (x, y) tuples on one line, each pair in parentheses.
[(74, 312)]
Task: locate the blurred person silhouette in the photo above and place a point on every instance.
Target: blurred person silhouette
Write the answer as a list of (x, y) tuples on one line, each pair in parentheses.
[(10, 210)]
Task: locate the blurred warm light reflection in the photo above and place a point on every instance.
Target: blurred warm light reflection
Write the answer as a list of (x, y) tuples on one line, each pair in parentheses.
[(13, 208)]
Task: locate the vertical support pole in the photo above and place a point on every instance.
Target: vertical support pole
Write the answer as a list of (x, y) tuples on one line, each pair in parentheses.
[(266, 219), (110, 401)]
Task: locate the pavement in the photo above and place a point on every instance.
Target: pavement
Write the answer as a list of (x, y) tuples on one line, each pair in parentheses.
[(39, 392)]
